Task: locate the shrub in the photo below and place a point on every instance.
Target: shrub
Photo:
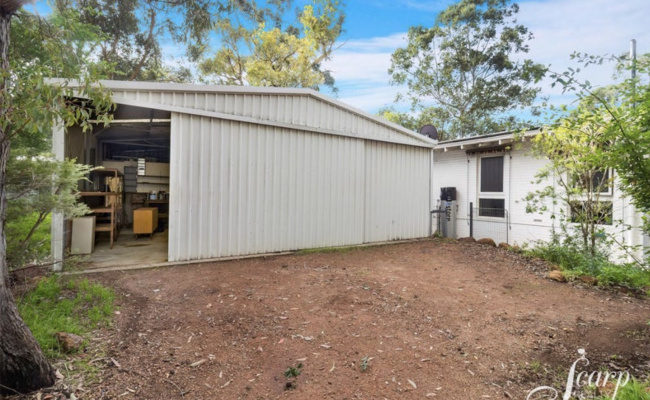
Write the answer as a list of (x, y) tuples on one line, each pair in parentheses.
[(575, 263)]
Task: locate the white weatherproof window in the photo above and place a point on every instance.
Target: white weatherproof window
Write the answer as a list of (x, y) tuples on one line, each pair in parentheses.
[(491, 198), (596, 182), (600, 207)]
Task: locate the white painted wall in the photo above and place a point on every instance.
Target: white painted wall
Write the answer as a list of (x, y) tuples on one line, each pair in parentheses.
[(458, 169)]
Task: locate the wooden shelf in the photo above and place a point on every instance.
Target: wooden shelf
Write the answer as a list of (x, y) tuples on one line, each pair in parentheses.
[(110, 213), (106, 227)]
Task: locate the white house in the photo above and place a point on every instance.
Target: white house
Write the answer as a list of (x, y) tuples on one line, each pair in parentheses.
[(250, 170), (497, 172)]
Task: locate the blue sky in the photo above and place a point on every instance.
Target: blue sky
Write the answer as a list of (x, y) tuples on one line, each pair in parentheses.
[(375, 28)]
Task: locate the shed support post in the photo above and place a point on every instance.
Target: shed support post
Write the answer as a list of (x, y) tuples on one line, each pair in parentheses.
[(57, 229)]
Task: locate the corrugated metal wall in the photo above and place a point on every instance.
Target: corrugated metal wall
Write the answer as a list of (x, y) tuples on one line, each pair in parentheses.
[(397, 192), (239, 189)]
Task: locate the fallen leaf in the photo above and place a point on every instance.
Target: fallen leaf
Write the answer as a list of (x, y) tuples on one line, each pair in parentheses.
[(197, 363)]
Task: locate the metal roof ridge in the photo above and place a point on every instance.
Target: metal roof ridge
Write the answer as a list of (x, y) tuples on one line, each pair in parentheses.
[(204, 88)]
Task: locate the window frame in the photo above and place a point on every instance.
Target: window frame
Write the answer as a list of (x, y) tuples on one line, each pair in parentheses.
[(610, 211), (491, 195), (610, 184)]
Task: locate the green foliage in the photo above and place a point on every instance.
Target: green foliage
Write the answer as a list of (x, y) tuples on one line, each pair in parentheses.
[(293, 372), (77, 306), (318, 250), (36, 184), (634, 390), (603, 137), (26, 243), (258, 51), (628, 275), (620, 114), (461, 71), (134, 31), (44, 48), (574, 262), (575, 180), (365, 363)]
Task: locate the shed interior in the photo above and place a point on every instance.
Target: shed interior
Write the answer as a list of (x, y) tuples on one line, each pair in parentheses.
[(129, 195)]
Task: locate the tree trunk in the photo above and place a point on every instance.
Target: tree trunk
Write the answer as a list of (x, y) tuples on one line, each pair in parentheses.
[(23, 367)]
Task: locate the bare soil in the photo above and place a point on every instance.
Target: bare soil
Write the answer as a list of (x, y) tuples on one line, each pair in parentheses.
[(433, 319)]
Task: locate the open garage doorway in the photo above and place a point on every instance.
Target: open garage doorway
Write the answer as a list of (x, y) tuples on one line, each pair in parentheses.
[(128, 194)]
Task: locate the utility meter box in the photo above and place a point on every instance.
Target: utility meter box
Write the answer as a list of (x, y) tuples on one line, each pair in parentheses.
[(449, 206)]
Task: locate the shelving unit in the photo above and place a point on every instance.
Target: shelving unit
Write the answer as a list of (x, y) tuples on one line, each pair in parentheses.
[(107, 206)]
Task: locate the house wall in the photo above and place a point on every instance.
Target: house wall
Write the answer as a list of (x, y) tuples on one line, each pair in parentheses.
[(458, 169), (239, 189)]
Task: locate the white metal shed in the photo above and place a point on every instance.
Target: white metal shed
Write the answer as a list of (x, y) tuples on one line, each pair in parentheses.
[(261, 170)]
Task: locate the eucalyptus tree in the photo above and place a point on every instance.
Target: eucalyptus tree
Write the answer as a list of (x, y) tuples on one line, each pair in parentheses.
[(135, 33), (29, 107), (267, 48), (466, 69)]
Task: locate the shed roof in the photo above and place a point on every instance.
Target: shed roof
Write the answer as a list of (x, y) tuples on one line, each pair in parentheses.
[(490, 140), (129, 93)]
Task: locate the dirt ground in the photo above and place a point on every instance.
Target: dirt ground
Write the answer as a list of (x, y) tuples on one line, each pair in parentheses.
[(432, 319)]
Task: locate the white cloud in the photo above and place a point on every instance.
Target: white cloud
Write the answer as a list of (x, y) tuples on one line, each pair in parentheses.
[(560, 27), (369, 98), (420, 5), (360, 68), (427, 5), (387, 43), (596, 27)]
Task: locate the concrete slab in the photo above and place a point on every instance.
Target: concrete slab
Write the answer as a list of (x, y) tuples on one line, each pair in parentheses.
[(127, 250)]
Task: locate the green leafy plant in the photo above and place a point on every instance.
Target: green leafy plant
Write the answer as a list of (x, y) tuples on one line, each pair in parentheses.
[(575, 263), (293, 372), (633, 390), (365, 363), (77, 306)]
